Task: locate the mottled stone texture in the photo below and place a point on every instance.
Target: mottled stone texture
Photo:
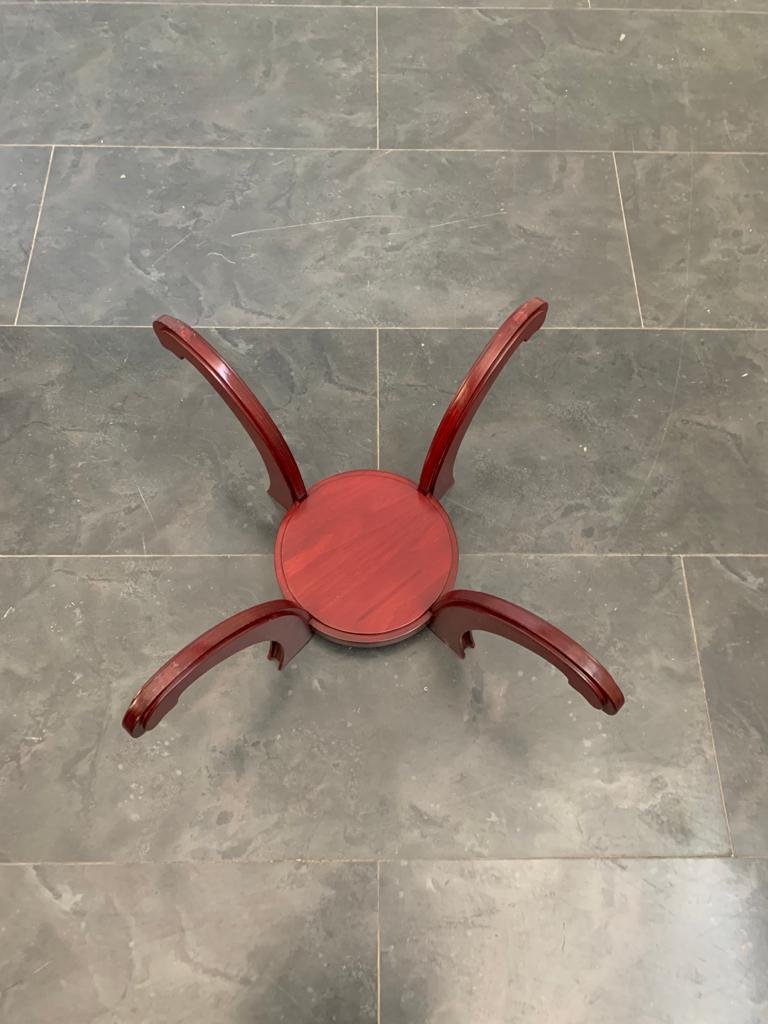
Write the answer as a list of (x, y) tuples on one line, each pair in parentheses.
[(343, 239), (730, 606), (591, 942), (698, 225), (161, 942), (22, 174), (188, 75), (114, 446), (405, 751), (347, 201), (593, 441), (572, 80)]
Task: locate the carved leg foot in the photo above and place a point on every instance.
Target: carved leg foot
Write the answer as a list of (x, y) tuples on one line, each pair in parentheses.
[(282, 623), (460, 611)]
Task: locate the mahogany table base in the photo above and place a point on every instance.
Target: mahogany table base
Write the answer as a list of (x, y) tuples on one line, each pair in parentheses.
[(366, 557)]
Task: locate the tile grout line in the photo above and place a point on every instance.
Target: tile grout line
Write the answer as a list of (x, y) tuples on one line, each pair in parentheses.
[(512, 553), (150, 554), (399, 6), (587, 857), (626, 235), (362, 149), (378, 942), (378, 404), (34, 236), (390, 327), (706, 702), (638, 10), (478, 554), (609, 554), (377, 78)]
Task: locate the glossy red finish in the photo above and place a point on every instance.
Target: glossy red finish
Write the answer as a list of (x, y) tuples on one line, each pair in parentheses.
[(365, 557), (285, 626), (459, 612), (285, 483), (437, 473), (367, 554)]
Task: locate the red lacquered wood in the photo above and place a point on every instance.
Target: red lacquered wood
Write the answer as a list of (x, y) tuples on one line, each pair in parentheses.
[(461, 611), (285, 626), (367, 555), (437, 472), (285, 483)]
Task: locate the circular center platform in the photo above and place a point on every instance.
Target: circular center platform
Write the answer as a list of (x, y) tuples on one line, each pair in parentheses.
[(367, 555)]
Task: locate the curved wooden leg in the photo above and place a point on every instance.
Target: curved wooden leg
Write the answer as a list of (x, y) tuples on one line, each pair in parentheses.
[(283, 624), (460, 611), (285, 483), (437, 472)]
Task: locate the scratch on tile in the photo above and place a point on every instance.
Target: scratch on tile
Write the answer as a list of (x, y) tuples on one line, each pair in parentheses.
[(233, 262), (169, 251), (146, 506), (26, 977), (446, 223), (8, 611), (660, 442), (317, 223), (728, 133), (688, 244)]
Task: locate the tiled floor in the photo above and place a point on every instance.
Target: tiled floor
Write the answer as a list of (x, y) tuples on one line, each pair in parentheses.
[(349, 197)]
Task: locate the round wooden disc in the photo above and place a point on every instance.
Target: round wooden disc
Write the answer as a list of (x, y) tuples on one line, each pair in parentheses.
[(367, 555)]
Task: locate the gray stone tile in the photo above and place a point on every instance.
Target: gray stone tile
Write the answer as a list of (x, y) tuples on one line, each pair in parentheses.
[(402, 751), (22, 174), (589, 942), (759, 6), (412, 3), (112, 445), (698, 226), (729, 597), (592, 441), (342, 239), (571, 80), (166, 944), (178, 75)]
